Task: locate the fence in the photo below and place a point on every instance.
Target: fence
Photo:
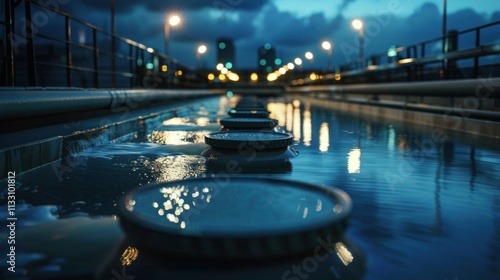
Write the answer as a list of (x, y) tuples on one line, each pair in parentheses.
[(35, 57), (440, 58)]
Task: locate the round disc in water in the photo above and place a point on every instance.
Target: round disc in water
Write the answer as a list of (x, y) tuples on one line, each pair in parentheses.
[(258, 140), (233, 217)]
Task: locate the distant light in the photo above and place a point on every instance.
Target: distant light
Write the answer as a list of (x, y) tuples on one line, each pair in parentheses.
[(269, 69), (282, 71), (326, 45), (357, 24), (278, 61), (229, 65), (290, 66), (222, 45), (150, 50), (296, 103), (211, 77), (298, 61), (174, 20), (164, 68), (224, 70), (229, 94), (406, 60), (233, 76), (254, 77), (178, 73), (202, 49), (149, 66), (219, 66), (272, 77), (313, 76), (222, 77), (262, 62), (309, 55), (337, 77), (139, 62), (267, 46), (392, 52)]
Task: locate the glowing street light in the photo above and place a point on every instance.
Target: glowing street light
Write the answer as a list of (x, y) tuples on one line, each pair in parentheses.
[(298, 61), (171, 21), (328, 47), (358, 25), (201, 50), (310, 57)]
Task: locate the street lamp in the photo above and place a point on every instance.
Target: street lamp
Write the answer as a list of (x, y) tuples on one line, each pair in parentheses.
[(310, 57), (444, 25), (172, 21), (358, 25), (328, 47), (298, 62), (201, 50)]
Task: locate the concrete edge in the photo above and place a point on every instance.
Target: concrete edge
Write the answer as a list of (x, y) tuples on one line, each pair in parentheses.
[(58, 150)]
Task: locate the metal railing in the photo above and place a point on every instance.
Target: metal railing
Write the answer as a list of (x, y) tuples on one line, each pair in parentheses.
[(35, 57), (429, 60)]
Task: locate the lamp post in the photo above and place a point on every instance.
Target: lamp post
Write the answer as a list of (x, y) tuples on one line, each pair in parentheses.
[(171, 21), (199, 52), (113, 44), (358, 25), (310, 57), (328, 47), (444, 25), (298, 62)]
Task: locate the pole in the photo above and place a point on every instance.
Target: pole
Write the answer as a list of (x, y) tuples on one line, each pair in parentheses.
[(444, 25), (167, 37), (361, 43), (113, 45), (30, 47), (330, 58), (9, 30)]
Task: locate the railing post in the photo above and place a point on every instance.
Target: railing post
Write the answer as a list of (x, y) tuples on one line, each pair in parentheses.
[(68, 51), (476, 58), (30, 49), (96, 59), (113, 45), (131, 64), (9, 31)]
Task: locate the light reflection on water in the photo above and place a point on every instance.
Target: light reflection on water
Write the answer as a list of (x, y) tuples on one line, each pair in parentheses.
[(421, 208)]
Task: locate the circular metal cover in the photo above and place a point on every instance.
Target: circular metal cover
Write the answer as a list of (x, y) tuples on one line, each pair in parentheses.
[(249, 122), (233, 217), (242, 139)]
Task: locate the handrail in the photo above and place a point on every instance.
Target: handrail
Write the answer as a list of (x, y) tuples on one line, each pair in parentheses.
[(414, 61), (130, 60)]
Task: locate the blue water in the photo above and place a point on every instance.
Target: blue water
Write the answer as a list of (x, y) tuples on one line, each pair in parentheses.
[(424, 206)]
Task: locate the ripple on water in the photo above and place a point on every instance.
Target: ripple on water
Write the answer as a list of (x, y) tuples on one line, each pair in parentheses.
[(97, 177)]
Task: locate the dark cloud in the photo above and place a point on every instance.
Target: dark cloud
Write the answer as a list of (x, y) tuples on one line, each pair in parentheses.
[(345, 4), (290, 30), (254, 23), (184, 5)]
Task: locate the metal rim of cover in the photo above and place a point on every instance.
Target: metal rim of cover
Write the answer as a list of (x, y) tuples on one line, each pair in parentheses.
[(239, 218), (248, 139), (249, 122), (249, 113)]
